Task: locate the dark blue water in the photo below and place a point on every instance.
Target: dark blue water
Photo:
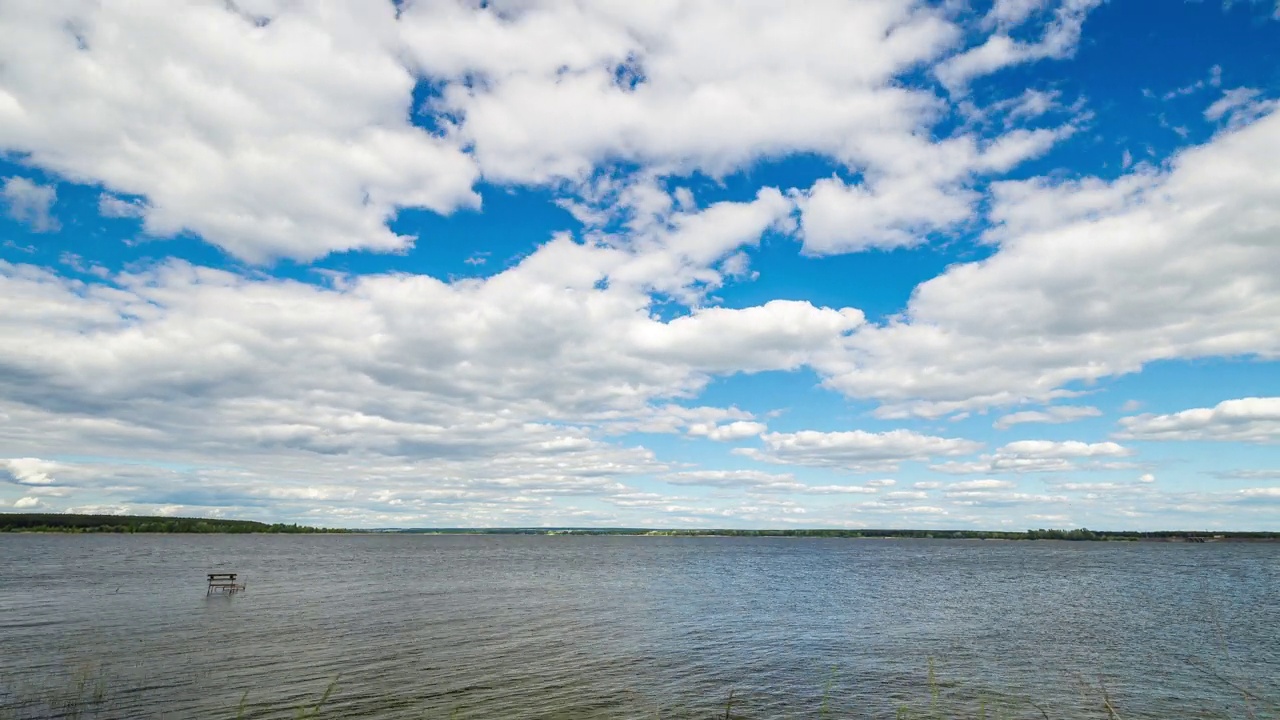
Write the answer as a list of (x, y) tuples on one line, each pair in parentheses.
[(629, 627)]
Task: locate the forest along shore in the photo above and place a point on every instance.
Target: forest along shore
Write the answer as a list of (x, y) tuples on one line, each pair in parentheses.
[(72, 523), (69, 523)]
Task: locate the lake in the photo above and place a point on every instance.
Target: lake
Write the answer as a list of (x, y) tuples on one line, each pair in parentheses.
[(512, 626)]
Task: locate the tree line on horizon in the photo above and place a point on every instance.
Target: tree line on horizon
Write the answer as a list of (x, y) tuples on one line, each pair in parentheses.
[(76, 523), (1038, 534), (73, 523)]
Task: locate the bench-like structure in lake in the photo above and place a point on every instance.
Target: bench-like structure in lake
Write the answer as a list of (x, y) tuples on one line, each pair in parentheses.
[(224, 583)]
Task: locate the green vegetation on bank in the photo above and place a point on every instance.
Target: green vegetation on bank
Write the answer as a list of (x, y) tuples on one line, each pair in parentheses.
[(69, 523), (1075, 534)]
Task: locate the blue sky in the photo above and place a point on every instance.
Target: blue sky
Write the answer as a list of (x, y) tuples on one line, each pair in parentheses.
[(856, 264)]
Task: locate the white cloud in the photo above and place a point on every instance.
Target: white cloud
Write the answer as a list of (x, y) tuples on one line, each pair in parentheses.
[(1005, 13), (26, 503), (289, 138), (1106, 277), (538, 93), (30, 203), (1039, 456), (855, 450), (760, 482), (838, 490), (469, 402), (113, 207), (111, 510), (30, 471), (714, 87), (1247, 474), (1214, 80), (1239, 106), (916, 188), (907, 495), (839, 218), (730, 478), (982, 485), (687, 252), (781, 334), (996, 493), (1253, 420), (1147, 478), (1261, 493), (731, 431), (1000, 51), (1054, 414), (1031, 104), (1067, 449)]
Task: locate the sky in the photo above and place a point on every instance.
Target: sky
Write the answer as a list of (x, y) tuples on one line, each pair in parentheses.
[(871, 264)]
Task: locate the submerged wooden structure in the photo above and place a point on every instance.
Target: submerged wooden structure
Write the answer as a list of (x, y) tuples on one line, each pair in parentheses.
[(224, 583)]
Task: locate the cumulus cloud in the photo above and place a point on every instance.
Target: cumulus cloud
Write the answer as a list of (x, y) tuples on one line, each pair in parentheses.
[(855, 450), (30, 471), (731, 478), (1106, 276), (731, 431), (268, 156), (1252, 420), (838, 490), (755, 481), (1068, 449), (982, 485), (836, 217), (286, 135), (1054, 414), (30, 203), (996, 493), (676, 88), (490, 389), (917, 189), (1040, 456)]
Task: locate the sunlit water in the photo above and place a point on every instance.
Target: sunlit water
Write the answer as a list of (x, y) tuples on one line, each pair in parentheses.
[(595, 627)]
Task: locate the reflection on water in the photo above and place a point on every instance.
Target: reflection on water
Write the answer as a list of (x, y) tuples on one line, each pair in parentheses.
[(542, 627)]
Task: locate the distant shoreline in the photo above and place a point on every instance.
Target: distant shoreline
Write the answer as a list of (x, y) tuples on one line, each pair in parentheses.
[(998, 536), (69, 523), (128, 524)]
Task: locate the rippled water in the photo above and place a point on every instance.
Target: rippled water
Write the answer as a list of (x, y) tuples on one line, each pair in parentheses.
[(542, 627)]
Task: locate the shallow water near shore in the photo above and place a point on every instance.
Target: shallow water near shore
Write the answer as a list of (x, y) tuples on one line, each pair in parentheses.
[(622, 627)]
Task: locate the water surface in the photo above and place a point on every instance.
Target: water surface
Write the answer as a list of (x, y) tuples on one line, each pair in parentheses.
[(596, 627)]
